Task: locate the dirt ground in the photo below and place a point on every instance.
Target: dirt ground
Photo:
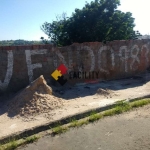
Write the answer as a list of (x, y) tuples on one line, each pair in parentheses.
[(128, 131), (77, 99)]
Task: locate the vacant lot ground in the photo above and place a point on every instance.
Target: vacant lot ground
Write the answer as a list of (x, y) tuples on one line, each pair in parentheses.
[(76, 99), (128, 131)]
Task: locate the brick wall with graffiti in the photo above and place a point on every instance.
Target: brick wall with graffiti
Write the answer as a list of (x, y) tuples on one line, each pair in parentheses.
[(86, 62)]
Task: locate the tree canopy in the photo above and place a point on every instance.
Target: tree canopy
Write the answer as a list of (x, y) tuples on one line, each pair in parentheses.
[(96, 21)]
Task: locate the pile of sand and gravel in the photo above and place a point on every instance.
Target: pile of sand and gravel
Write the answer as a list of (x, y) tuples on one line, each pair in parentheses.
[(34, 99)]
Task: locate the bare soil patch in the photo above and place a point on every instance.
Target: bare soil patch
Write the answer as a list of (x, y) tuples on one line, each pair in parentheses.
[(37, 104)]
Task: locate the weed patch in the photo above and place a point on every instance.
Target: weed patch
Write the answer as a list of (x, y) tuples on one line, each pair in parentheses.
[(59, 129), (73, 123), (140, 103), (82, 122), (95, 117), (31, 139), (11, 146)]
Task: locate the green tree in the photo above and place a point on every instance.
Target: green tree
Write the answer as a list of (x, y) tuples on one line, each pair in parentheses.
[(57, 31), (96, 21)]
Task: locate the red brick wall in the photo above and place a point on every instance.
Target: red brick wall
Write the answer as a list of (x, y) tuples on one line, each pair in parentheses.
[(19, 65)]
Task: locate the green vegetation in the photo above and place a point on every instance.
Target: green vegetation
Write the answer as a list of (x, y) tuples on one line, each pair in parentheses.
[(78, 123), (13, 144), (59, 129), (31, 139), (19, 42), (73, 123), (10, 146), (96, 21), (120, 107), (95, 117), (139, 103)]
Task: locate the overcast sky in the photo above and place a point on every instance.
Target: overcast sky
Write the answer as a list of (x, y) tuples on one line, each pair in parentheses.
[(21, 19)]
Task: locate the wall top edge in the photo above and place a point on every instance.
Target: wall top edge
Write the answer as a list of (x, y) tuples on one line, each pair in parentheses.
[(84, 43)]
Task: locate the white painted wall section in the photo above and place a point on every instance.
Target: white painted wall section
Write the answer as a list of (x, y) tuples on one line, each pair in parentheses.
[(9, 72), (31, 66)]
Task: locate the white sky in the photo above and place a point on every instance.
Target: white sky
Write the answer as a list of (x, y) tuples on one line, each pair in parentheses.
[(140, 10)]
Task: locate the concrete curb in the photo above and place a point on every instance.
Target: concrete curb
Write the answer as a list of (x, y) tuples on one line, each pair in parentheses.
[(65, 120)]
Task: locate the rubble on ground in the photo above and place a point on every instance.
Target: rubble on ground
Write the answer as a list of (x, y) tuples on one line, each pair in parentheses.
[(104, 92)]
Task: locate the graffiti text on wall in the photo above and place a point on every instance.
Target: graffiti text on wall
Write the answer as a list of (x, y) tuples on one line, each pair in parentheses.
[(96, 58)]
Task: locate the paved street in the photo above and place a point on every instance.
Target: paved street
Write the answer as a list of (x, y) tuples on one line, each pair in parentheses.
[(129, 131)]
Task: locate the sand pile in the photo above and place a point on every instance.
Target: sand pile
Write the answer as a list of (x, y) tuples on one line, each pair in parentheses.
[(104, 92), (34, 99)]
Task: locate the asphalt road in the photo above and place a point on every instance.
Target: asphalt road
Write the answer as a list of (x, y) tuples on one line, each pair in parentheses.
[(128, 131)]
